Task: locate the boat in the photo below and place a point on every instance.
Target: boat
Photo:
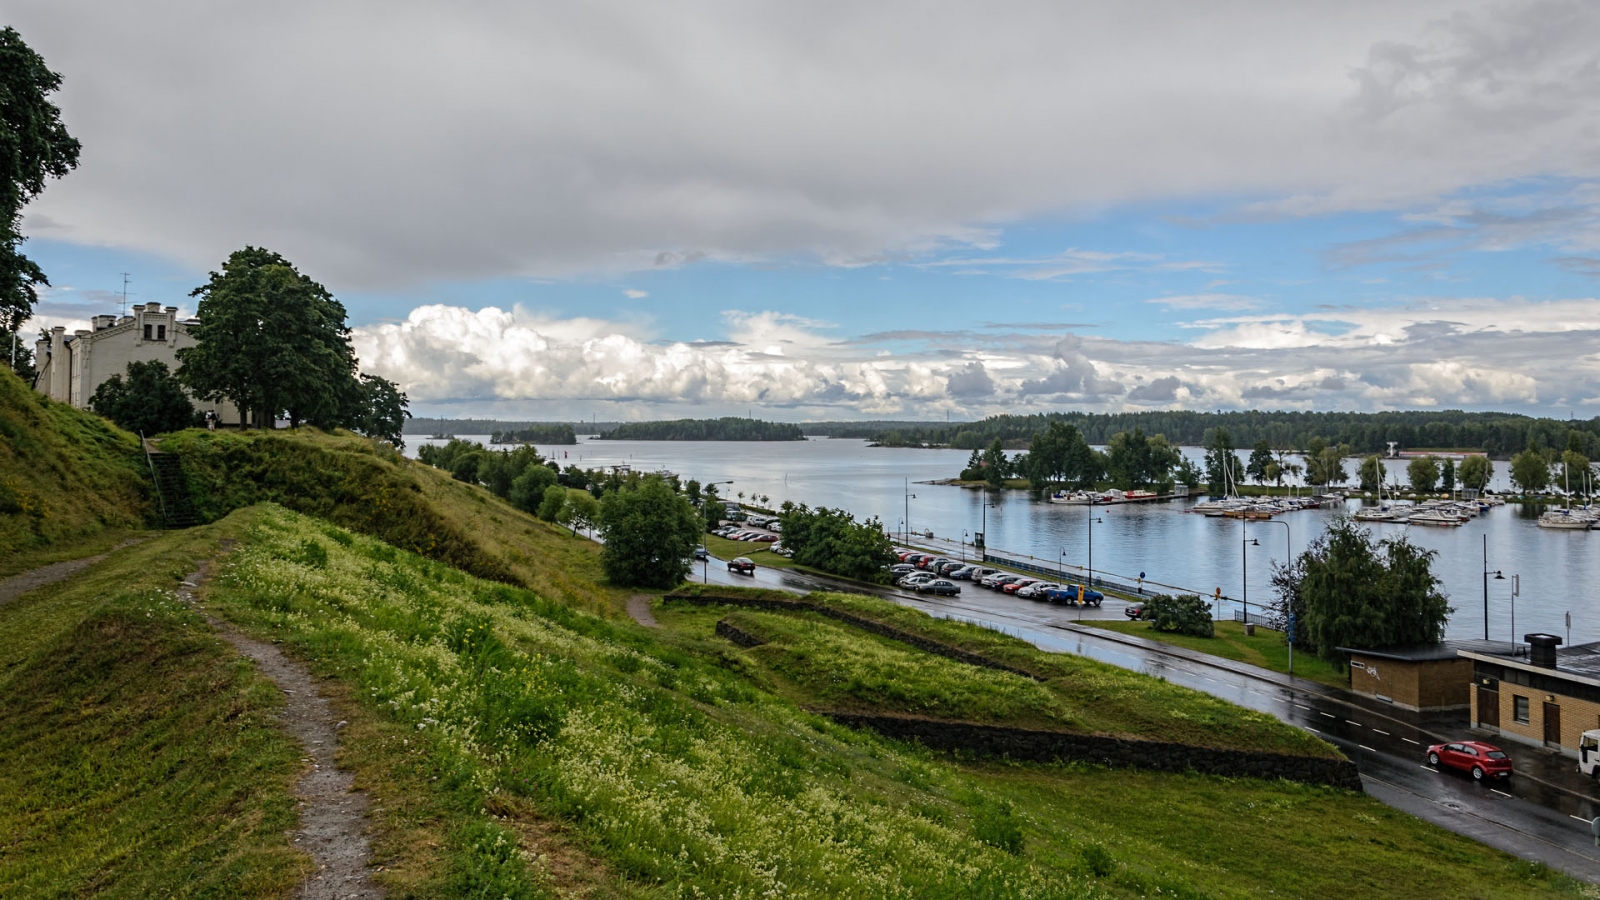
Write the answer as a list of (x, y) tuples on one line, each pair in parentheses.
[(1076, 498), (1566, 518), (1434, 516)]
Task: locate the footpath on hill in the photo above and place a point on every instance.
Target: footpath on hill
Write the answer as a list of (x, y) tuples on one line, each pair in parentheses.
[(17, 585)]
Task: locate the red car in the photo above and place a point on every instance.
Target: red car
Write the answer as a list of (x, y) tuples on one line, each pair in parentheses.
[(1482, 760), (1018, 585)]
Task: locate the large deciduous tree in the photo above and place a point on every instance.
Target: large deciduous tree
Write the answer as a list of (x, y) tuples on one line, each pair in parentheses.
[(381, 411), (150, 401), (833, 541), (1423, 473), (649, 530), (1348, 591), (1475, 472), (1223, 471), (274, 342), (1530, 470), (34, 146)]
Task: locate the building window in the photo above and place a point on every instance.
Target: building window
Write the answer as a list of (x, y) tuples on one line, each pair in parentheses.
[(161, 332), (1519, 709), (147, 330)]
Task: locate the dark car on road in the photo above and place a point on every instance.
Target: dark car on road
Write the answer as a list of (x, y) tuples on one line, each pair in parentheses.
[(1480, 759), (742, 564), (1135, 611), (700, 552), (937, 586)]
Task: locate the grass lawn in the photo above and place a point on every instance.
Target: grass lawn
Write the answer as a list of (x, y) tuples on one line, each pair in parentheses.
[(1266, 649), (724, 549)]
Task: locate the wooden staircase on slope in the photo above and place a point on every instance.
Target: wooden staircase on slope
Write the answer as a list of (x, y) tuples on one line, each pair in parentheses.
[(172, 489)]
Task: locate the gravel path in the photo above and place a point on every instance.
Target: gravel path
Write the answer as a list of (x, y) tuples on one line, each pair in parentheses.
[(639, 608), (332, 815), (17, 585)]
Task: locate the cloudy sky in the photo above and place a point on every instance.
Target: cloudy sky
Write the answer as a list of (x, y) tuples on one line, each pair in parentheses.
[(841, 210)]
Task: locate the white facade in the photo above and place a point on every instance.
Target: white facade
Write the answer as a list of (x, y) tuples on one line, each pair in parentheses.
[(70, 368)]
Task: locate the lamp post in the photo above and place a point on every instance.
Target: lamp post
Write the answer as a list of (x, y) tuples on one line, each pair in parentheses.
[(964, 534), (1486, 573), (1516, 588), (1244, 568), (1092, 519), (984, 528), (1288, 549), (909, 497)]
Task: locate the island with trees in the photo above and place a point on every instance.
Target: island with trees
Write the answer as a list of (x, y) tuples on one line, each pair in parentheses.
[(535, 433), (728, 428)]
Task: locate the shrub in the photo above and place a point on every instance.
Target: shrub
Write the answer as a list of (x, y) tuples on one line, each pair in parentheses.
[(1186, 614)]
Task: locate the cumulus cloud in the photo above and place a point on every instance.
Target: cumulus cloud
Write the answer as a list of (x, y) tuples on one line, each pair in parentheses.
[(1226, 302), (549, 140), (970, 381), (1162, 390)]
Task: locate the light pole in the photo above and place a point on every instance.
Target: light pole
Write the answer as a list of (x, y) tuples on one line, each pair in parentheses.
[(1092, 519), (909, 497), (1516, 588), (1244, 568), (964, 534), (1288, 549), (1498, 577), (983, 533)]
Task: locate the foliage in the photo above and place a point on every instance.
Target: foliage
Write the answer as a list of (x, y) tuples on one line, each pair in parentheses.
[(1223, 471), (553, 503), (1058, 454), (34, 146), (1423, 473), (150, 402), (1134, 461), (52, 451), (833, 541), (1530, 471), (1184, 614), (1348, 591), (1575, 473), (728, 428), (381, 410), (16, 354), (273, 341), (649, 530), (528, 487), (537, 433), (1371, 473), (1475, 472), (1324, 463), (1260, 460), (1447, 475), (995, 465)]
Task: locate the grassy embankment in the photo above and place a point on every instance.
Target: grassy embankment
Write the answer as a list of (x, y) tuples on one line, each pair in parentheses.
[(1265, 649), (67, 477), (516, 746)]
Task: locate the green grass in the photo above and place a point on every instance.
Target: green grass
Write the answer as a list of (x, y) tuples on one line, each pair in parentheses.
[(65, 475), (142, 755), (823, 663), (722, 548), (1266, 649)]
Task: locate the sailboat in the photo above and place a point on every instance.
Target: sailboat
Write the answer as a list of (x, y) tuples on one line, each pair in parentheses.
[(1566, 517), (1381, 512)]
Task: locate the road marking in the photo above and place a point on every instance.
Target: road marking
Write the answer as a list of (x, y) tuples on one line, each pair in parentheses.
[(1330, 715), (1381, 731), (1579, 818), (1306, 708), (1366, 748), (1312, 730), (1501, 793), (1425, 768), (1353, 722), (1410, 741)]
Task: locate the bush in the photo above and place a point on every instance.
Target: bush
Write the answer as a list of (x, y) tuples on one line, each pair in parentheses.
[(150, 401), (1187, 614), (649, 532)]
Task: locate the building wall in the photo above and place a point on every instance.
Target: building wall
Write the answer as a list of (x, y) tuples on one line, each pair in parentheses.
[(1430, 684), (1577, 716)]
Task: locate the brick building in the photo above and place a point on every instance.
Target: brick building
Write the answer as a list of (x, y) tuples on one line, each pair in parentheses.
[(1537, 694)]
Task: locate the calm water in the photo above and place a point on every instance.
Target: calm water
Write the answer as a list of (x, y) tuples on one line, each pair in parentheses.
[(1559, 569)]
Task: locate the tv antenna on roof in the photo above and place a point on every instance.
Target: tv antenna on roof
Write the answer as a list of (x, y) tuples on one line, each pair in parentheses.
[(124, 293)]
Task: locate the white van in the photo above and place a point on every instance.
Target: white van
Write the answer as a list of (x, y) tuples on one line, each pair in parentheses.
[(1589, 753)]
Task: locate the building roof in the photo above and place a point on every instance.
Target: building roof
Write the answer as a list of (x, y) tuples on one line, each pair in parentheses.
[(1580, 664), (1583, 659), (1415, 653)]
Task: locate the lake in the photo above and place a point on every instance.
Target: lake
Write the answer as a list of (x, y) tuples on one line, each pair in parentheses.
[(1559, 570)]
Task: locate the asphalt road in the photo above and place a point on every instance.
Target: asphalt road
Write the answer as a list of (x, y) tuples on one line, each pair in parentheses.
[(1542, 815)]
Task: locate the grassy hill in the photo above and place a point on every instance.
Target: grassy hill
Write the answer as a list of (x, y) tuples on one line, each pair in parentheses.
[(519, 737), (66, 475)]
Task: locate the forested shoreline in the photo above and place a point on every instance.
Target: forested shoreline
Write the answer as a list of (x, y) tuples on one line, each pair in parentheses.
[(728, 428)]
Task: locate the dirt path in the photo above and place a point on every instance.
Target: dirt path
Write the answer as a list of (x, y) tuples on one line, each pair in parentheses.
[(17, 585), (639, 608), (332, 815)]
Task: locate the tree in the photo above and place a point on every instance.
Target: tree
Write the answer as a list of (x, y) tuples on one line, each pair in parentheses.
[(1447, 476), (582, 510), (1530, 470), (833, 541), (650, 531), (1371, 473), (1476, 471), (1348, 591), (552, 503), (34, 146), (1325, 464), (995, 464), (1223, 471), (527, 489), (1188, 473), (18, 355), (149, 402), (1187, 614), (1260, 459), (1423, 473), (1574, 471), (381, 412), (272, 341)]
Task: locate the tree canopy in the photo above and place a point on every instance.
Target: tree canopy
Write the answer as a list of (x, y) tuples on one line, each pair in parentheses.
[(728, 428), (34, 147), (150, 401), (1346, 590), (833, 541), (650, 532)]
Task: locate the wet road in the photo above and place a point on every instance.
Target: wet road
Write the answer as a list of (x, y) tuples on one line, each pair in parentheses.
[(1541, 814)]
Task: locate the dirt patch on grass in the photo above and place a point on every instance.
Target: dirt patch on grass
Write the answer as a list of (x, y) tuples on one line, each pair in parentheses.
[(17, 585), (332, 814), (639, 609)]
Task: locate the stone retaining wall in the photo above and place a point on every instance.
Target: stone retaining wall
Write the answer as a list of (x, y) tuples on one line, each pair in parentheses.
[(737, 635), (927, 645), (1048, 746)]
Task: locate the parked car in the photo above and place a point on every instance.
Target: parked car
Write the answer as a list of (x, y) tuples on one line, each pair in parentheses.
[(979, 573), (1036, 590), (765, 538), (937, 586), (900, 570), (914, 579), (1075, 594), (962, 573), (1135, 611), (1480, 759), (700, 552), (1019, 584), (999, 580), (931, 561), (742, 564), (945, 568)]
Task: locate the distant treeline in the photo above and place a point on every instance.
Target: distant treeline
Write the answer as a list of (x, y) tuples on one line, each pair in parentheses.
[(547, 433), (728, 428), (1500, 434), (425, 425)]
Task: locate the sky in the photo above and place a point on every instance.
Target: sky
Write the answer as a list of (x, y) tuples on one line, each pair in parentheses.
[(835, 210)]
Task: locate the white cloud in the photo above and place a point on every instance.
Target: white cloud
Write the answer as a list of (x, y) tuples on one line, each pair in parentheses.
[(551, 140), (1208, 301), (635, 294)]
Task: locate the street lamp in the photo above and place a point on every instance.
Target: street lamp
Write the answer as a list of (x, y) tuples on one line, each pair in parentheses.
[(1092, 519), (1288, 549), (1244, 567), (909, 497), (1498, 577), (984, 528), (964, 534), (1516, 588)]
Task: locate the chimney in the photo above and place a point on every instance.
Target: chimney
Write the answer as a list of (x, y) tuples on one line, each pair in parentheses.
[(1542, 649), (152, 306)]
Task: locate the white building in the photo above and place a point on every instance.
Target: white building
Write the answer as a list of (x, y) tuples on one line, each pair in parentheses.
[(70, 368)]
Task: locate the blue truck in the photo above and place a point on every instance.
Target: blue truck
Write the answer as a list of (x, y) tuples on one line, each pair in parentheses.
[(1075, 594)]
